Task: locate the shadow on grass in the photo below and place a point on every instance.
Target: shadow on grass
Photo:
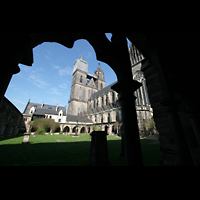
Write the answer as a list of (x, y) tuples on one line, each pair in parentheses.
[(55, 154), (69, 154)]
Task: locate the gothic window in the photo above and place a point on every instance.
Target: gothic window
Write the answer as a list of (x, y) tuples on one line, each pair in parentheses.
[(144, 94), (81, 79), (107, 100), (108, 117), (88, 94), (140, 97), (102, 119), (102, 101), (101, 86), (117, 116), (113, 98)]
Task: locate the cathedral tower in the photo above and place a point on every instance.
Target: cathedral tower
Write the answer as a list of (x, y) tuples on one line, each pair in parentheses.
[(78, 97), (100, 82)]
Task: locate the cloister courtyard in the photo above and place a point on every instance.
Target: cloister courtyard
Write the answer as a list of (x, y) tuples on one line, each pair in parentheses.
[(65, 150)]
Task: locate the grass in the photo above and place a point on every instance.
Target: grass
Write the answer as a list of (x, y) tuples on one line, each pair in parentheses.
[(46, 151)]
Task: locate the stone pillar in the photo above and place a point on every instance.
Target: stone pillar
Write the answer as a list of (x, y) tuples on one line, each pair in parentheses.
[(126, 86), (132, 145), (180, 138), (7, 71)]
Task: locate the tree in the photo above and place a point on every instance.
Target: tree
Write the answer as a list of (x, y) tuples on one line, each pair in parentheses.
[(150, 126), (47, 124)]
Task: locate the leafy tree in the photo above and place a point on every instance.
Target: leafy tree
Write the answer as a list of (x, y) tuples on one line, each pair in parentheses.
[(95, 128), (150, 126), (46, 124)]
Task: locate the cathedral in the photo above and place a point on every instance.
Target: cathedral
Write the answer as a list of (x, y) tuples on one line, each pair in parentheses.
[(91, 103), (91, 99)]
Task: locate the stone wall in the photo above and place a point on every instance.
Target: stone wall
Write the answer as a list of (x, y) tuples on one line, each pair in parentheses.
[(11, 119)]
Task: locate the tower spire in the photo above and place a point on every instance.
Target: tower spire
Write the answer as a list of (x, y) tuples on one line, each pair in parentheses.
[(81, 57)]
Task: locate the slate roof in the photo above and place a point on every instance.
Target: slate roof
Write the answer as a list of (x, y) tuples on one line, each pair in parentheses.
[(72, 118), (45, 109), (103, 91)]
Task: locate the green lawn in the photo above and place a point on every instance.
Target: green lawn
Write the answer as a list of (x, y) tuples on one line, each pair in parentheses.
[(46, 151)]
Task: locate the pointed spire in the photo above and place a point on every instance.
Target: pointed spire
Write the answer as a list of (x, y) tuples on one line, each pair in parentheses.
[(81, 57), (99, 68)]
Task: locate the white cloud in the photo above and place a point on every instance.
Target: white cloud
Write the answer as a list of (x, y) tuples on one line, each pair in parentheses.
[(89, 55), (37, 81), (17, 101), (47, 57), (54, 91), (66, 71), (56, 67), (63, 86)]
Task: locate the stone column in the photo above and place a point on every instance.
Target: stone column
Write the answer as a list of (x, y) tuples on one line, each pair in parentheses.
[(180, 138), (132, 146), (126, 86)]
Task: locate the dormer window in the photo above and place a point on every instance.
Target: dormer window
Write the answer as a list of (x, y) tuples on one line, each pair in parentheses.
[(61, 113), (33, 109)]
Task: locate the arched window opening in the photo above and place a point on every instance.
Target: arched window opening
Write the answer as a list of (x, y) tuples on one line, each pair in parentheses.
[(81, 79), (108, 117)]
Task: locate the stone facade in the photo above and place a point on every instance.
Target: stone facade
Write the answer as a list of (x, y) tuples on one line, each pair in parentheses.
[(104, 108), (11, 121), (83, 86)]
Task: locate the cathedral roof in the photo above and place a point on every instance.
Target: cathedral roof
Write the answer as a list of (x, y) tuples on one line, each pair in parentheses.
[(103, 91)]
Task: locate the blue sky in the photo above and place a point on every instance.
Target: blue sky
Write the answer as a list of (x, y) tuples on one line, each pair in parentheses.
[(49, 79)]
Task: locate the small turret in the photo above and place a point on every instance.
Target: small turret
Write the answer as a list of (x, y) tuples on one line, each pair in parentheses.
[(100, 82), (99, 73)]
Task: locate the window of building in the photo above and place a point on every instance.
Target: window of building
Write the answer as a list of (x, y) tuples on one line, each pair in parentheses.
[(107, 100), (102, 119), (108, 117), (113, 97), (81, 79), (59, 120), (102, 101)]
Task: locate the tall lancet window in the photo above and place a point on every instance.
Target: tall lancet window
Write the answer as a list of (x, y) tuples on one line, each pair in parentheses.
[(81, 79)]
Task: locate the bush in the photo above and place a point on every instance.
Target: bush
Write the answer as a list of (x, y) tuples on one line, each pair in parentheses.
[(41, 131), (150, 126), (46, 124), (95, 128)]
